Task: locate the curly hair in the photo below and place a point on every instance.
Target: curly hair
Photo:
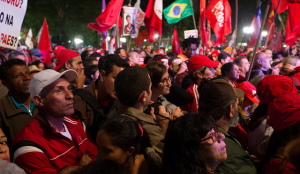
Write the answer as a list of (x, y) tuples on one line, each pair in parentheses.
[(191, 40)]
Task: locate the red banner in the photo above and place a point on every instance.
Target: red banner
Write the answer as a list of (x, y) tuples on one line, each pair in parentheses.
[(175, 42), (153, 19), (270, 20), (219, 15)]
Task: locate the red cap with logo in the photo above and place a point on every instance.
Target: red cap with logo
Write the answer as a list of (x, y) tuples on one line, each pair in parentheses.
[(63, 56), (249, 90), (272, 86), (58, 48), (284, 111), (215, 53), (198, 61)]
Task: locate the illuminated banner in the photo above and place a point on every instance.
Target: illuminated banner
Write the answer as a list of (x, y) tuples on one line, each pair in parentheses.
[(12, 13), (188, 33), (129, 17)]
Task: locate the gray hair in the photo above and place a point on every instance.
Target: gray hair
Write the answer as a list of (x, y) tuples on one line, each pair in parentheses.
[(292, 60), (13, 55)]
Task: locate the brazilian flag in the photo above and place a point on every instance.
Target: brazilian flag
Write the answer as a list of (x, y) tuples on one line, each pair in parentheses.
[(178, 10)]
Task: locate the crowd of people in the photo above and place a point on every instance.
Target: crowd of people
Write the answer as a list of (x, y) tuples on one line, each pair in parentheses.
[(149, 111)]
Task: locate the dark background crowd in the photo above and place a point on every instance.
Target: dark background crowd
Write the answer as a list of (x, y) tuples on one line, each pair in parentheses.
[(150, 111)]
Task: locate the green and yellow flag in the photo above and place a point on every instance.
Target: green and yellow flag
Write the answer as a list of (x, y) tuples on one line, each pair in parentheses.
[(178, 10)]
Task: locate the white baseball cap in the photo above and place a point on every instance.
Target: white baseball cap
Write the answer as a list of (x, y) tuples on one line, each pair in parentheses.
[(46, 77)]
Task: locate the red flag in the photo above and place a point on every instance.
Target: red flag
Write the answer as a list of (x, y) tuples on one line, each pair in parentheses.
[(276, 43), (282, 7), (202, 19), (219, 15), (104, 43), (153, 19), (175, 42), (141, 37), (294, 12), (45, 44), (290, 37), (270, 20), (107, 18)]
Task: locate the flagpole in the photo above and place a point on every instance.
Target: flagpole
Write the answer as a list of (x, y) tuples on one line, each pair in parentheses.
[(257, 41), (236, 21), (280, 19), (194, 16), (117, 33), (268, 34)]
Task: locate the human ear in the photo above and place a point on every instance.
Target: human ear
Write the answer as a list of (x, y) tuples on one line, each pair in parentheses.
[(130, 151), (4, 82), (199, 75), (38, 100), (101, 75), (143, 96), (230, 111)]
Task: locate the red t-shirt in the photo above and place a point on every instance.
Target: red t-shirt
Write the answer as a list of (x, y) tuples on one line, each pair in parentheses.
[(272, 167)]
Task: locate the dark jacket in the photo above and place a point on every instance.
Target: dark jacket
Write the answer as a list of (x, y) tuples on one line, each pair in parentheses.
[(256, 71), (84, 111), (238, 160), (13, 119)]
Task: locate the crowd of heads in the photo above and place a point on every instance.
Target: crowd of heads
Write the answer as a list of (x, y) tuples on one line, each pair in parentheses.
[(149, 110)]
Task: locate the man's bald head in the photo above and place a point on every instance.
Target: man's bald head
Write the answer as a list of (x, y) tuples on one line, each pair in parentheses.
[(262, 61)]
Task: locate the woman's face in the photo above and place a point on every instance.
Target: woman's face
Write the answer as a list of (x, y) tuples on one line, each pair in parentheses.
[(215, 151), (41, 67), (164, 85), (106, 150), (4, 150)]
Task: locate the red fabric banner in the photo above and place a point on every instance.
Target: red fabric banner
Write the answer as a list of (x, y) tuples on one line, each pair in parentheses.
[(175, 42), (107, 18), (290, 37), (276, 43), (282, 7), (202, 20), (45, 44), (219, 15), (153, 19)]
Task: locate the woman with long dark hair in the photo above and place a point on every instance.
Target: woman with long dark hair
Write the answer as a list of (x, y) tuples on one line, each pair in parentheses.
[(124, 141), (193, 145)]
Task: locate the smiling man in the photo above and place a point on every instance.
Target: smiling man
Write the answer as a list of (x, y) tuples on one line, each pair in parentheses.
[(16, 108), (53, 142)]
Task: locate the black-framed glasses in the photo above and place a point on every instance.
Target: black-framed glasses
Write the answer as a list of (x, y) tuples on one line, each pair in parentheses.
[(214, 135), (165, 81)]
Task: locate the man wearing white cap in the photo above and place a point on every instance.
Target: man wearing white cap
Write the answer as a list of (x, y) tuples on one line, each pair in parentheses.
[(53, 142)]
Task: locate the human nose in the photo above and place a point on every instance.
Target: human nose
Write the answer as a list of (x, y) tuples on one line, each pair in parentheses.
[(69, 95), (3, 148), (221, 137)]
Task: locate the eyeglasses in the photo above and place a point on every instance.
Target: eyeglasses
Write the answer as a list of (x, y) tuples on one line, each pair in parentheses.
[(166, 81), (214, 135)]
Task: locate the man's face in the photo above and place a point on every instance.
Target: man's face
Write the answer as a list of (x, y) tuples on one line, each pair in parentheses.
[(128, 19), (148, 49), (265, 62), (21, 57), (143, 54), (245, 65), (109, 81), (149, 95), (269, 53), (136, 59), (234, 73), (122, 53), (235, 119), (77, 64), (227, 60), (191, 50), (18, 80), (35, 58), (58, 102)]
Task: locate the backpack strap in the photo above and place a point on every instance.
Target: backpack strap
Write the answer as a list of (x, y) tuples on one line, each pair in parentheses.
[(97, 108)]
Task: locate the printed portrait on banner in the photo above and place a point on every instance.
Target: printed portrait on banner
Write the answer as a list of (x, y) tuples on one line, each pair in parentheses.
[(129, 21)]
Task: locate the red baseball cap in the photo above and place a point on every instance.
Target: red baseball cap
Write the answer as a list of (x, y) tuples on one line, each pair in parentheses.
[(63, 56), (198, 61), (284, 111), (58, 48), (215, 53), (272, 86), (249, 90), (296, 70)]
